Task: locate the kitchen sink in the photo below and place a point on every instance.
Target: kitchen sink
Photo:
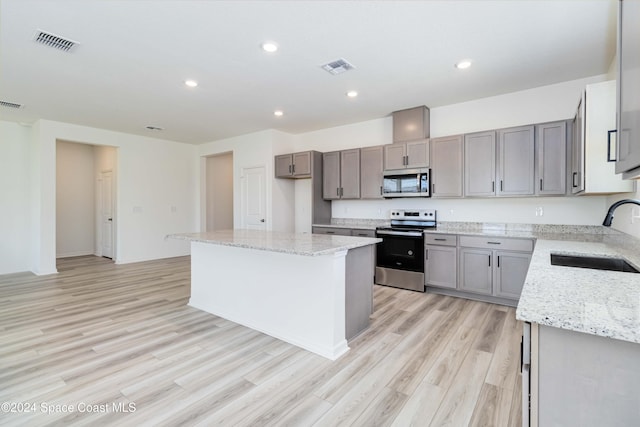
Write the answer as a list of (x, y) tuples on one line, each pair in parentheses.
[(596, 263)]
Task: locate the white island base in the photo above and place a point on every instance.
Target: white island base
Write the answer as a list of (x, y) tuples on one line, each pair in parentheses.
[(299, 299)]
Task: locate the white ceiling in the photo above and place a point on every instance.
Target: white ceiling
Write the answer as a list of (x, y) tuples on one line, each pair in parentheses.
[(129, 69)]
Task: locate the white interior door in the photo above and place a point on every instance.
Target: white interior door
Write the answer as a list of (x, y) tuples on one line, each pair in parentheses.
[(106, 214), (254, 205)]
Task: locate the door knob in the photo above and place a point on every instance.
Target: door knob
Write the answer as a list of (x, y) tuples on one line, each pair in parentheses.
[(110, 219), (262, 220)]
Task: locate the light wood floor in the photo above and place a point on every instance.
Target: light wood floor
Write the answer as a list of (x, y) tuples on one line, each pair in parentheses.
[(105, 334)]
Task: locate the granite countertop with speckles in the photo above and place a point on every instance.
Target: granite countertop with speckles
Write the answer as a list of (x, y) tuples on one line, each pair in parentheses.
[(598, 302), (290, 243)]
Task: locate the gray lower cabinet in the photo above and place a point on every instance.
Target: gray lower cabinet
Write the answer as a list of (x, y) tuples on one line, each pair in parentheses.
[(476, 274), (441, 264), (480, 164), (371, 170), (511, 271), (338, 231), (551, 158), (516, 161), (446, 166), (494, 266), (579, 379), (359, 232)]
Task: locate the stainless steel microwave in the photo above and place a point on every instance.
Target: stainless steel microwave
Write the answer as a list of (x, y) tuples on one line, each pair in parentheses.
[(406, 183)]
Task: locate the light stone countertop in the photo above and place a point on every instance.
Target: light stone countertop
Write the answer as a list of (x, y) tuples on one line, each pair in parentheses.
[(290, 243), (603, 303)]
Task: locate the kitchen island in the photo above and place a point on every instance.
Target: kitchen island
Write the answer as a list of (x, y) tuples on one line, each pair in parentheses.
[(313, 291)]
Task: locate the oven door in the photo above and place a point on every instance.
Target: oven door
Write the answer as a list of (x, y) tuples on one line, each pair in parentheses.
[(401, 250)]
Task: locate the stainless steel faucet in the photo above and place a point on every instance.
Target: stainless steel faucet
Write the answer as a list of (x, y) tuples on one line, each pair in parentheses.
[(609, 217)]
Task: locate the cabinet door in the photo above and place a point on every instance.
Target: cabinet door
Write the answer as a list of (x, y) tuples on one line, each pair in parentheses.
[(480, 164), (516, 161), (418, 154), (371, 167), (410, 124), (551, 149), (331, 175), (302, 164), (350, 174), (394, 156), (284, 166), (628, 105), (511, 270), (441, 264), (476, 270), (577, 150), (446, 166)]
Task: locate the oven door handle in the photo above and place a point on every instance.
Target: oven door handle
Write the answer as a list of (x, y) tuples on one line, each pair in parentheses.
[(399, 233)]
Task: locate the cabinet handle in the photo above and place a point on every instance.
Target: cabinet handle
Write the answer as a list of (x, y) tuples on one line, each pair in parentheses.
[(501, 186), (498, 261), (341, 191), (290, 171), (381, 190), (493, 186), (331, 232), (494, 243), (441, 240), (540, 184), (489, 260), (426, 254), (338, 191), (573, 180), (609, 158), (433, 188), (293, 168)]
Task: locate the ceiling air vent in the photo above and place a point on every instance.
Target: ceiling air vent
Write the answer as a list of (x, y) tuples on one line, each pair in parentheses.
[(10, 105), (338, 66), (54, 41)]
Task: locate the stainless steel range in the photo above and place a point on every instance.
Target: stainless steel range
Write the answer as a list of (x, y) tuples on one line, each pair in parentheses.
[(400, 255)]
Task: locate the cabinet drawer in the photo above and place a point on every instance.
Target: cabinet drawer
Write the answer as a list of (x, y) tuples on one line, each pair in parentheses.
[(440, 239), (525, 245), (361, 232), (338, 231)]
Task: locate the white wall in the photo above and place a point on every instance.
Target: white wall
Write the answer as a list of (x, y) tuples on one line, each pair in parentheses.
[(626, 218), (548, 103), (15, 190), (254, 150), (156, 184), (75, 199)]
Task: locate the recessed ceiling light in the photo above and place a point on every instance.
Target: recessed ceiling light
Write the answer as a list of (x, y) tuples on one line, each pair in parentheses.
[(269, 47), (352, 94), (191, 83), (463, 64), (278, 113)]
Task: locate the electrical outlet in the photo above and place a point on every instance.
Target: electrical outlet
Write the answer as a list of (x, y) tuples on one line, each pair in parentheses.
[(539, 211)]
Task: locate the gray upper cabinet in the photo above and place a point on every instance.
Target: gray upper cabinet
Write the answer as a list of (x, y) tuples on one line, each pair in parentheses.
[(446, 170), (341, 174), (628, 104), (551, 158), (371, 168), (296, 165), (407, 155), (480, 164), (411, 124), (331, 175), (516, 161), (350, 174)]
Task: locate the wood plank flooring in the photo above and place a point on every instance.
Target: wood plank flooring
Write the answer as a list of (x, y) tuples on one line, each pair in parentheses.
[(107, 338)]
